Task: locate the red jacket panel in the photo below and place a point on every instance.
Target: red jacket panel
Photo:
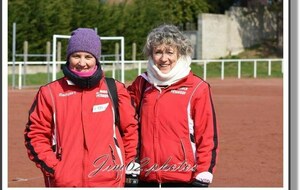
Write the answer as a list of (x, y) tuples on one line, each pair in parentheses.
[(179, 135), (93, 154)]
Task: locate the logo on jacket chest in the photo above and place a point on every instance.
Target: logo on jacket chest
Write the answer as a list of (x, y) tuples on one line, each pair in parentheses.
[(100, 107), (102, 94), (180, 91), (61, 94)]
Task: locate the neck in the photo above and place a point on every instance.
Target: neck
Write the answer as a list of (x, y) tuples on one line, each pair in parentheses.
[(84, 82), (179, 71)]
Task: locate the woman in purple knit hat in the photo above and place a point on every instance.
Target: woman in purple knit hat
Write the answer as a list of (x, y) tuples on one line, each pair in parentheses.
[(71, 134)]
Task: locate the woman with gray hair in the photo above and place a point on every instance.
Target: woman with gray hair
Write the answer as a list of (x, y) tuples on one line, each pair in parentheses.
[(178, 128)]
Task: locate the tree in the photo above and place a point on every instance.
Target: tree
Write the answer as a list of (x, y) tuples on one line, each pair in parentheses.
[(17, 12), (185, 12), (37, 20), (220, 6), (277, 8)]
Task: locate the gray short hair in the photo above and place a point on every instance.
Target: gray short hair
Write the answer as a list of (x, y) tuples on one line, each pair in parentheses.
[(170, 35)]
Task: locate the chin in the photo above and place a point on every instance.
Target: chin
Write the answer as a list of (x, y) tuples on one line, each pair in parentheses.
[(165, 70)]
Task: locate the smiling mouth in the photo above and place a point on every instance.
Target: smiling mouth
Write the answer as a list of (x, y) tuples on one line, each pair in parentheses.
[(83, 70), (164, 65)]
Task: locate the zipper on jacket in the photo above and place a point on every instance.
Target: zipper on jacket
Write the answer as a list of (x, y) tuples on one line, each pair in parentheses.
[(193, 146), (183, 149), (59, 154), (112, 154), (114, 162), (156, 135), (83, 165)]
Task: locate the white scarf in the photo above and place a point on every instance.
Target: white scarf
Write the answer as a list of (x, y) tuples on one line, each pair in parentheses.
[(179, 71)]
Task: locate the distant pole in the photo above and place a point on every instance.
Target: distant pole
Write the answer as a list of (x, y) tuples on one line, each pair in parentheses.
[(48, 47), (117, 58), (123, 60), (25, 61), (59, 51), (14, 55), (59, 54), (134, 58), (133, 51)]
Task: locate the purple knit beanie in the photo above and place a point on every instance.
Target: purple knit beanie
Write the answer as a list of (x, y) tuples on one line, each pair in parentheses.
[(84, 39)]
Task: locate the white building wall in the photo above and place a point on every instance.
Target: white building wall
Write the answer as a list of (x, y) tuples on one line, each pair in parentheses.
[(214, 35), (226, 34)]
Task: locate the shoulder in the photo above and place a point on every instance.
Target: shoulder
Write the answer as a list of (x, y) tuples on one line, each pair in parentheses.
[(199, 84), (139, 81), (57, 84), (118, 83), (115, 84), (140, 78), (195, 81)]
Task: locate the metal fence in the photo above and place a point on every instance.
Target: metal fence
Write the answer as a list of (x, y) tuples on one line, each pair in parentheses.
[(137, 64)]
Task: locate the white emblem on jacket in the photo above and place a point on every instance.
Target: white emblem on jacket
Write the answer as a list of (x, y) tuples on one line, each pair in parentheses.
[(100, 108), (102, 94), (66, 94), (181, 91)]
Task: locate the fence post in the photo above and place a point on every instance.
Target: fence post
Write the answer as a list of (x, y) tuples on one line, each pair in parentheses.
[(269, 67), (222, 70), (25, 62), (204, 70), (134, 58), (21, 70), (20, 75), (255, 69), (239, 69)]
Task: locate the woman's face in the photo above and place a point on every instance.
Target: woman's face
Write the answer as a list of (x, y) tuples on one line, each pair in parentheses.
[(165, 57), (82, 61)]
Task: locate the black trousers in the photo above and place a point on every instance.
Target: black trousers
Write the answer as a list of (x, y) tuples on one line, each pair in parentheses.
[(154, 184)]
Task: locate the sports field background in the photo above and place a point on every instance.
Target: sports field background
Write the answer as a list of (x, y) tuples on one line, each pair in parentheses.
[(250, 117)]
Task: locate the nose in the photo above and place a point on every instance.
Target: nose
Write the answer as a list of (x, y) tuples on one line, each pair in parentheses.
[(81, 62), (164, 57)]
